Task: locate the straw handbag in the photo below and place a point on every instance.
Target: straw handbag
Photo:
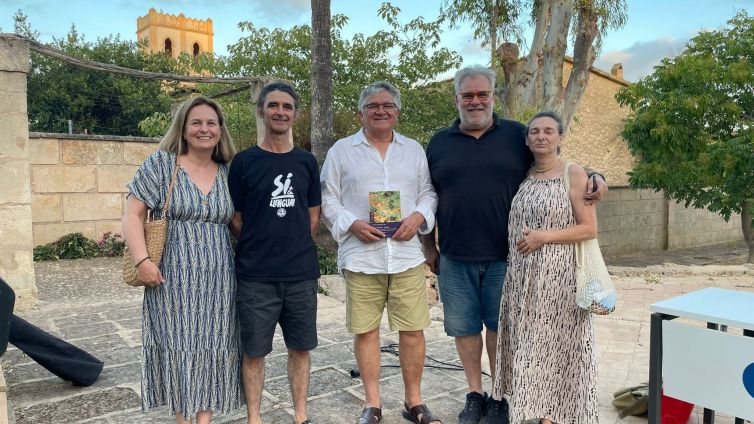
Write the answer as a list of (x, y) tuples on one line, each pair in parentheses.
[(595, 291), (155, 232)]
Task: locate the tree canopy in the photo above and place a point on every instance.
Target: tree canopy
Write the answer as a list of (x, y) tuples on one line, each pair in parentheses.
[(408, 55), (98, 102), (491, 20), (692, 124), (535, 82)]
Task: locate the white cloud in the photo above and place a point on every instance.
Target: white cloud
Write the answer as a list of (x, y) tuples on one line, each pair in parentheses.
[(640, 58), (471, 50)]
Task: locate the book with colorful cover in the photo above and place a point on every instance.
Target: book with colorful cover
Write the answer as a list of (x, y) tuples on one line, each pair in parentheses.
[(385, 211)]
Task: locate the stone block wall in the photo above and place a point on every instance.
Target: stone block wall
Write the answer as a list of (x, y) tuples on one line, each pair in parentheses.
[(16, 266), (632, 221), (689, 227), (78, 182)]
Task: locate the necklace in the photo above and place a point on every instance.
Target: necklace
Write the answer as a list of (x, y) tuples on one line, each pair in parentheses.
[(542, 171)]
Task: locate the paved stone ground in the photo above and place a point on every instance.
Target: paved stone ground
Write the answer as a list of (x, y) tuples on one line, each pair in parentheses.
[(84, 303)]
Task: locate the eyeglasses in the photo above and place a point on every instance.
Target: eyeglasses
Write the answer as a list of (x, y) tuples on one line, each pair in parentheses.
[(387, 107), (483, 96)]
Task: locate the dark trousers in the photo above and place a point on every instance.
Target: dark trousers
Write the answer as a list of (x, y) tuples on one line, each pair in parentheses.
[(7, 300), (59, 357)]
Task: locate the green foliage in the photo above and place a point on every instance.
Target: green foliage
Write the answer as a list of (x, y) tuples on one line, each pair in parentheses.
[(426, 109), (111, 245), (98, 102), (692, 127), (408, 56), (507, 25), (155, 125), (328, 261), (77, 246), (46, 252), (480, 14)]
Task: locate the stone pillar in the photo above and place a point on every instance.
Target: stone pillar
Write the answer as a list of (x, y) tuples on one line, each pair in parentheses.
[(16, 236)]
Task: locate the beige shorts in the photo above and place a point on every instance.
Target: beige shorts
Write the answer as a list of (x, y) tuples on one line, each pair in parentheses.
[(405, 294)]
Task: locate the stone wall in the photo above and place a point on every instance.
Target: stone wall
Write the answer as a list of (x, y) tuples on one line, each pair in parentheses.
[(633, 221), (689, 227), (16, 265), (78, 182)]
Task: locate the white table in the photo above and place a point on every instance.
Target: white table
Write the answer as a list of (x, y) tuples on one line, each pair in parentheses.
[(703, 366)]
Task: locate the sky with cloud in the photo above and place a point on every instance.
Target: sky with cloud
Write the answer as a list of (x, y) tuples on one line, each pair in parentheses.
[(655, 29)]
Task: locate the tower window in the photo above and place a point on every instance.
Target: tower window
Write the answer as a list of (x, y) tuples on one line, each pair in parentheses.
[(196, 49), (168, 47)]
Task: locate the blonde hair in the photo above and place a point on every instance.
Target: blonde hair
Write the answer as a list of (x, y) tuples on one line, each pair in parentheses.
[(174, 142)]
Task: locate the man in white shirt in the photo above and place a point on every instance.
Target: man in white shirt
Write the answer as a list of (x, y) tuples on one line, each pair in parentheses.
[(382, 269)]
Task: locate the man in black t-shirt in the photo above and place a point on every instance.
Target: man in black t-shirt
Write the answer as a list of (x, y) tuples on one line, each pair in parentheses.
[(276, 194)]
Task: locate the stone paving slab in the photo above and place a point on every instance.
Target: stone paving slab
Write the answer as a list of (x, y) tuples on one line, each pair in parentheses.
[(84, 302)]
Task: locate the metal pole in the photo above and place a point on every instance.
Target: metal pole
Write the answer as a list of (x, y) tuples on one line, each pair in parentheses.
[(747, 333), (655, 368), (709, 414)]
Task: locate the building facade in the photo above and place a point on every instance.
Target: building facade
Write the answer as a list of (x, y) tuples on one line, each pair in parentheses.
[(175, 34)]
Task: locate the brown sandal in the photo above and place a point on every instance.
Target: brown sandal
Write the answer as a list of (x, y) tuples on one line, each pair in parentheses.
[(370, 415), (412, 414)]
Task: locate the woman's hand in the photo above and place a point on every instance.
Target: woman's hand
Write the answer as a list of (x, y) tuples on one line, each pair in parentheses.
[(148, 273), (530, 241)]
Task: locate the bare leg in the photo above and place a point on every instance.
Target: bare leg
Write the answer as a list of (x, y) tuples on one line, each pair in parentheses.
[(179, 419), (203, 417), (253, 382), (412, 348), (366, 347), (491, 339), (470, 351), (298, 379)]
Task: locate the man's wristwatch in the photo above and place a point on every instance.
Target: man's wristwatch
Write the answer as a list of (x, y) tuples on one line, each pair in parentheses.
[(593, 173)]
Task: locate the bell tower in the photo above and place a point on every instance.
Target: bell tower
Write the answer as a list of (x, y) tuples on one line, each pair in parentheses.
[(174, 34)]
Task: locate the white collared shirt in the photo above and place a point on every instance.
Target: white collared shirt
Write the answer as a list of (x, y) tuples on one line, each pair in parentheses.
[(352, 169)]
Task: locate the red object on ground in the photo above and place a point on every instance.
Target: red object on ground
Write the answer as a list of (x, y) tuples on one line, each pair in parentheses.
[(675, 411)]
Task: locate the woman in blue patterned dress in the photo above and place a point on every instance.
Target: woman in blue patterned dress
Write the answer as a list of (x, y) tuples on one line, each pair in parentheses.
[(190, 336)]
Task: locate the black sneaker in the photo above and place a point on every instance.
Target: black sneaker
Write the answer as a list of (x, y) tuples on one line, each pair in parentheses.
[(497, 412), (474, 410)]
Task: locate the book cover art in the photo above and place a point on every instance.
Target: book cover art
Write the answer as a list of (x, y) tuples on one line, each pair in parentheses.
[(385, 211)]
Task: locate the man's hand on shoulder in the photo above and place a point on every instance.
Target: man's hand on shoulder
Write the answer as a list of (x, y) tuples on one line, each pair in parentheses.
[(592, 197), (409, 226), (365, 232)]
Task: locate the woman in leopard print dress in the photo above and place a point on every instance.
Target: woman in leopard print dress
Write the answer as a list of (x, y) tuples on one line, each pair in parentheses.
[(546, 365)]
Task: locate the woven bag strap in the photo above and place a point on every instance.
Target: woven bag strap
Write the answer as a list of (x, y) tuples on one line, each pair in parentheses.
[(170, 189), (580, 244)]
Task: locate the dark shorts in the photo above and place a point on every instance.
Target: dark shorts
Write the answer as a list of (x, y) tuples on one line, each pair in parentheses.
[(262, 305)]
